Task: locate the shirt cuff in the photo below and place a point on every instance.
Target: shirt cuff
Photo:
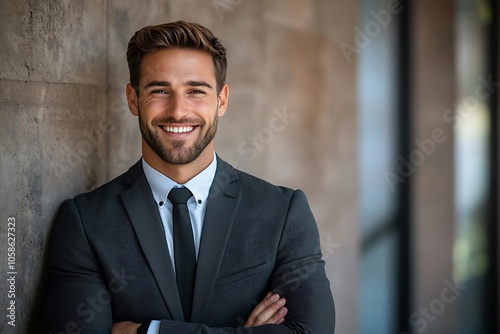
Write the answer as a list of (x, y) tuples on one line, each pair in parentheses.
[(154, 327)]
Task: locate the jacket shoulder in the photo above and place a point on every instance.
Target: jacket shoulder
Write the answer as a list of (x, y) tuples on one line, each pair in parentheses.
[(261, 184), (113, 188), (256, 186)]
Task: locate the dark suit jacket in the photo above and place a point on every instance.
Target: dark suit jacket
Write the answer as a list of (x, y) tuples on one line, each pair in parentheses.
[(109, 262)]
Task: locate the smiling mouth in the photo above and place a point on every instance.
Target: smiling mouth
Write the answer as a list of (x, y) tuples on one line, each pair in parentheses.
[(178, 129)]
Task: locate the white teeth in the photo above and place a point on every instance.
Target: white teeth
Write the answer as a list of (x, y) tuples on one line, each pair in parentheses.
[(176, 129)]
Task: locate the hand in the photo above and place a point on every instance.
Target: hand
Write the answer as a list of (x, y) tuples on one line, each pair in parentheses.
[(271, 310), (125, 327)]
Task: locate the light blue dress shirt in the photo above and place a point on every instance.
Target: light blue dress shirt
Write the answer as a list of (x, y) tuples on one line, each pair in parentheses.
[(197, 204)]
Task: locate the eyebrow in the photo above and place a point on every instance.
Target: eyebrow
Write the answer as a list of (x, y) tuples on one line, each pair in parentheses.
[(157, 84), (168, 84), (198, 84)]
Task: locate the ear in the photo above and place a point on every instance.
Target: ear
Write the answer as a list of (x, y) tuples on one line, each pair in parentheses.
[(132, 100), (223, 100)]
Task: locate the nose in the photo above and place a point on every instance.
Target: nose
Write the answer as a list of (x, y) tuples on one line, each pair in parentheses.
[(177, 108)]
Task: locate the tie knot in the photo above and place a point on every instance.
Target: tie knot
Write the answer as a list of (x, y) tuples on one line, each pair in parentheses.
[(179, 195)]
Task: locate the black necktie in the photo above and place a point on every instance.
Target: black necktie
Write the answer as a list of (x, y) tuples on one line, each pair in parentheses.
[(185, 258)]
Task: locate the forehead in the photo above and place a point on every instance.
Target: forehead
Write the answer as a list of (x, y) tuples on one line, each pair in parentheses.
[(177, 64)]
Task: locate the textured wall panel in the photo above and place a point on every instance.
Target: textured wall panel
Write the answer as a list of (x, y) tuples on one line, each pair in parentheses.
[(58, 41), (52, 147), (53, 130)]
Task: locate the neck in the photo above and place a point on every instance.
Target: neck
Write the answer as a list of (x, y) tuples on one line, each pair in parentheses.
[(179, 173)]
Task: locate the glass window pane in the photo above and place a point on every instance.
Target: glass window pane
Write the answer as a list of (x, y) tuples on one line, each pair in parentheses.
[(377, 149), (472, 135)]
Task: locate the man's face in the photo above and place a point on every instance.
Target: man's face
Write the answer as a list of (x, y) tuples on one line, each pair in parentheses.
[(177, 104)]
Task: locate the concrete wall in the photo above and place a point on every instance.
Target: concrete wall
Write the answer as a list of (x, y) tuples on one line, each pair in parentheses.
[(52, 93), (65, 127)]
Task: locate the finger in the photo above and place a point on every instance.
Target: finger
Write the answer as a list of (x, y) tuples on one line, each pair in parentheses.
[(271, 312), (282, 320), (268, 300), (278, 317)]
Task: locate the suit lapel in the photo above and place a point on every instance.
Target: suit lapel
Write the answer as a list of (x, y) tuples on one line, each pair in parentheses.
[(146, 221), (223, 201)]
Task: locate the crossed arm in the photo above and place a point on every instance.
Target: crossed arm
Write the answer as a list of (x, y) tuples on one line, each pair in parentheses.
[(298, 276), (271, 310)]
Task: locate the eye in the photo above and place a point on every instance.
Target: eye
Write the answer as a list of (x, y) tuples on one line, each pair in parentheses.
[(159, 91), (196, 92)]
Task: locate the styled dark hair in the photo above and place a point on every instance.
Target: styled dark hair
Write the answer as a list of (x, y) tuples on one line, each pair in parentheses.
[(178, 34)]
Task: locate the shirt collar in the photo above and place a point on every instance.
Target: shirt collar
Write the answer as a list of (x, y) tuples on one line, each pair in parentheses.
[(198, 185)]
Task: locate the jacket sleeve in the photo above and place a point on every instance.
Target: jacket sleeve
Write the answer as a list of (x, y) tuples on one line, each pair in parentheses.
[(77, 299), (299, 276)]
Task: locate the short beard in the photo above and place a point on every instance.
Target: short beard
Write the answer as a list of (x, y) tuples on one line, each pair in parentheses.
[(178, 153)]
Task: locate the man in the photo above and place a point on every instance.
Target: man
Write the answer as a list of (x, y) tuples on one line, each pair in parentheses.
[(131, 257)]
